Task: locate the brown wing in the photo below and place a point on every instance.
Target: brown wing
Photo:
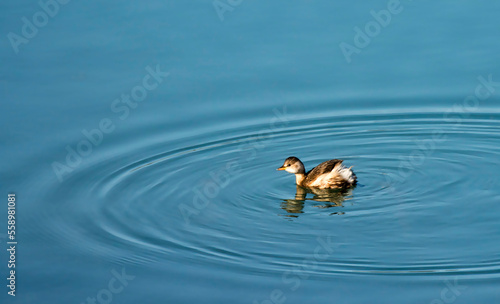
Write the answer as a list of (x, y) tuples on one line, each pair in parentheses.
[(322, 168)]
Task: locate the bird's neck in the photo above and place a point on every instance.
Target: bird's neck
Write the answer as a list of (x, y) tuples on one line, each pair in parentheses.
[(299, 178)]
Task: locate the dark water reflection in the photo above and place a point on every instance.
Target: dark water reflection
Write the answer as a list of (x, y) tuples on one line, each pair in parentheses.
[(329, 198)]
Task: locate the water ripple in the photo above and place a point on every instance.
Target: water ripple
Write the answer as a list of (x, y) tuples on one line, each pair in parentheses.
[(130, 209)]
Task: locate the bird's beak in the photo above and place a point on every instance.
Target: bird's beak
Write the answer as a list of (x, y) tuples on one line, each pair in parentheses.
[(281, 168)]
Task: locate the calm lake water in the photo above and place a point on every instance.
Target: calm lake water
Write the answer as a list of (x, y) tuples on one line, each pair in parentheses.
[(142, 141)]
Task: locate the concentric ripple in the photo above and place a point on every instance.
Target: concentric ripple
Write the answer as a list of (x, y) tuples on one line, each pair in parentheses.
[(218, 201)]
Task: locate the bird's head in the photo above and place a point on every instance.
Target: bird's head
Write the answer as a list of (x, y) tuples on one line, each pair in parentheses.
[(293, 165)]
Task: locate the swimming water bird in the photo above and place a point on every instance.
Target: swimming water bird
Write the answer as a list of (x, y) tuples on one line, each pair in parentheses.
[(331, 174)]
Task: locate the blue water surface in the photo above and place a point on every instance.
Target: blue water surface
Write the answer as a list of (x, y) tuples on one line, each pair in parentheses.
[(141, 140)]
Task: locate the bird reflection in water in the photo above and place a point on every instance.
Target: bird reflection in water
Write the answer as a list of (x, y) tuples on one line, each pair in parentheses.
[(328, 197)]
